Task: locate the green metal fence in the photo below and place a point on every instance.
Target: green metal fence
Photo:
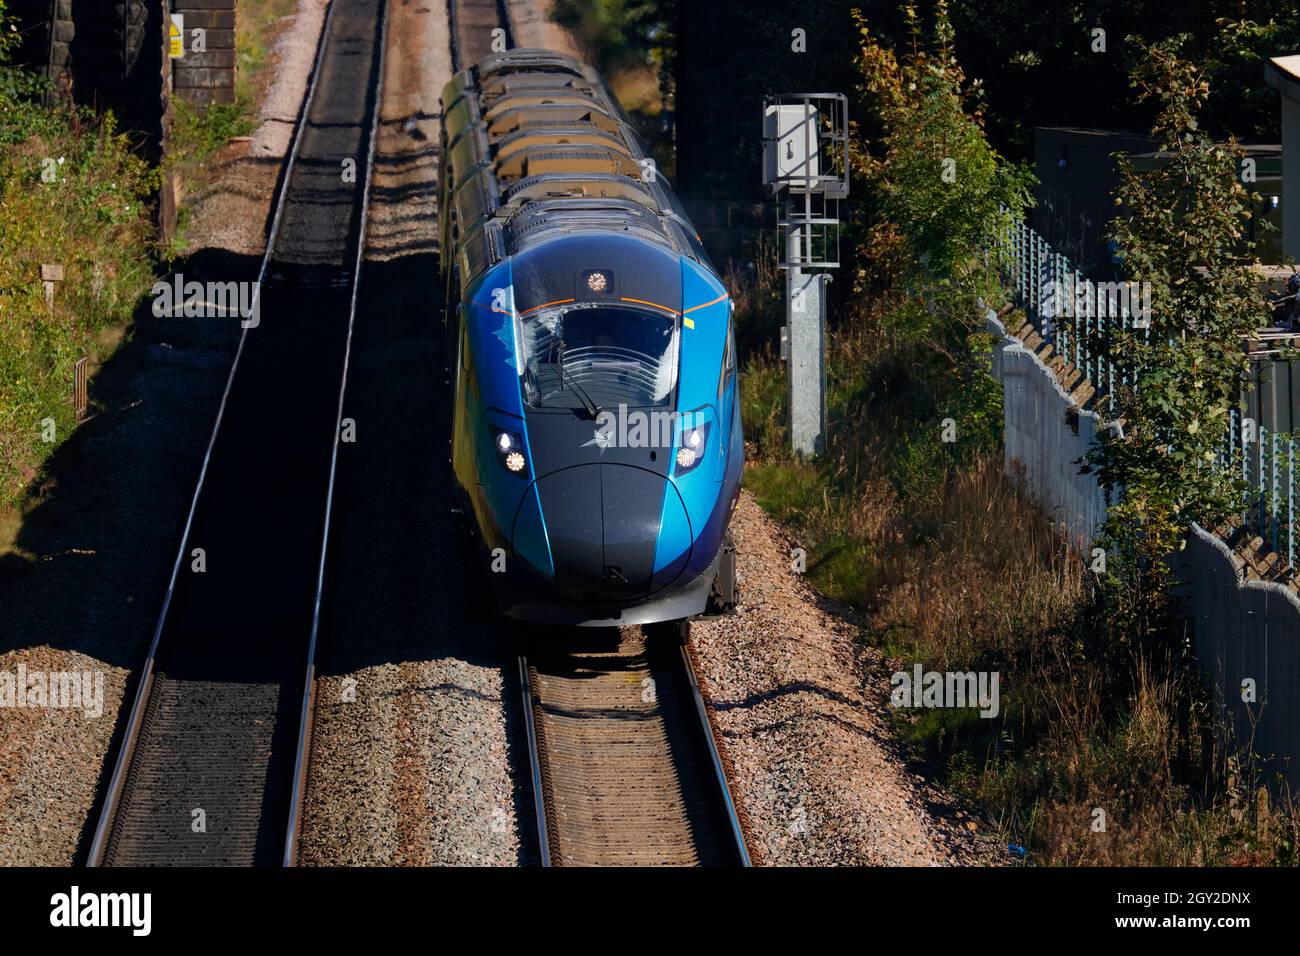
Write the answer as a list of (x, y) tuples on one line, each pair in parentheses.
[(1040, 278)]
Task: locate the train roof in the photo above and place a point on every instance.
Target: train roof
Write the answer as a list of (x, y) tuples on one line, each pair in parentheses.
[(537, 147)]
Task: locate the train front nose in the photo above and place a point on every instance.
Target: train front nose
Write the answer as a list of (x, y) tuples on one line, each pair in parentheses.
[(602, 523)]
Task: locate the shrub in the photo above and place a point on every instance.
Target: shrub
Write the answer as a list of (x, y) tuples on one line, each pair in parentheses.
[(71, 192)]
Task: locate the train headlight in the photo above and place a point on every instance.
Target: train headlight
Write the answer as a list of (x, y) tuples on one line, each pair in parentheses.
[(595, 283), (510, 451), (691, 450)]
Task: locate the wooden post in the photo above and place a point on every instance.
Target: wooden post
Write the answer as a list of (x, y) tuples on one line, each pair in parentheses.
[(80, 397), (51, 274)]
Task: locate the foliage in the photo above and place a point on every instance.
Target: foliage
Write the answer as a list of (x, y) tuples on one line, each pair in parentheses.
[(9, 38), (1035, 59), (73, 193), (199, 132), (17, 89), (942, 194), (618, 34), (1239, 102), (947, 562), (910, 399), (1180, 225)]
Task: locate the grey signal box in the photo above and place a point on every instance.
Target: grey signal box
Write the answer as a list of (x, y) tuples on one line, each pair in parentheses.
[(805, 164)]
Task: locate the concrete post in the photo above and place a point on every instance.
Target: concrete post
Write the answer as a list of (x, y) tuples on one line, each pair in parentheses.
[(806, 319)]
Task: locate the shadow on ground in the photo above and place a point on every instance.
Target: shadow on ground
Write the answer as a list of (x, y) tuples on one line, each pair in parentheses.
[(95, 549)]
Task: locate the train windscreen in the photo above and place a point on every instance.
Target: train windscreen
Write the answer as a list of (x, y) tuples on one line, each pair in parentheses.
[(601, 354)]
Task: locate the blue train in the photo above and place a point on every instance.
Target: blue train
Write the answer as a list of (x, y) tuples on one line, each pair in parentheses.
[(596, 439)]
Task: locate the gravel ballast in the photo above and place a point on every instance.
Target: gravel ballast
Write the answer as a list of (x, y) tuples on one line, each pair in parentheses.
[(800, 706), (417, 757), (411, 759)]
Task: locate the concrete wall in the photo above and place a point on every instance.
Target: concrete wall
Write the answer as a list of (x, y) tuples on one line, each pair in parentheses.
[(1241, 629), (1291, 178), (1045, 436), (1248, 629)]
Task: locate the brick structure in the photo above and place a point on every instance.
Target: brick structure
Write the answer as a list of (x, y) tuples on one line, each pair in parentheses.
[(113, 54), (102, 53), (209, 76)]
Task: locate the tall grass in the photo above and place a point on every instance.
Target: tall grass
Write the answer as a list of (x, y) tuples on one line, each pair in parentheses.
[(944, 560), (71, 193)]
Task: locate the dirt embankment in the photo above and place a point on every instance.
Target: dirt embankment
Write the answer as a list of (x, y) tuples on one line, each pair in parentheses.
[(800, 705)]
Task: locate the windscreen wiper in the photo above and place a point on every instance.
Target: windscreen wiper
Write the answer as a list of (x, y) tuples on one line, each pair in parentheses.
[(565, 378)]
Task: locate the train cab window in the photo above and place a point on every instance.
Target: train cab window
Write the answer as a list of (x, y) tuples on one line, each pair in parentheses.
[(599, 354)]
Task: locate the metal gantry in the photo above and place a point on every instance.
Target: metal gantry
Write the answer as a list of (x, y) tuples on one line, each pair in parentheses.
[(805, 164)]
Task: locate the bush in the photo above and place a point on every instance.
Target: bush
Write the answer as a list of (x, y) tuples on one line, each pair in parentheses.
[(1180, 225), (71, 192)]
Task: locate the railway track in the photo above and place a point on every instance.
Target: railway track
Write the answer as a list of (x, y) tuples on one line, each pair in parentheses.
[(471, 24), (624, 767), (625, 770), (213, 757)]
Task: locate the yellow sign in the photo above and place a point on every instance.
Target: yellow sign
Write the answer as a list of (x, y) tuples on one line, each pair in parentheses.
[(176, 36)]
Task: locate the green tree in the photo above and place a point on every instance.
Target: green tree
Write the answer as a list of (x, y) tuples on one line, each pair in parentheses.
[(619, 33), (939, 200), (943, 196), (1043, 63), (1180, 225)]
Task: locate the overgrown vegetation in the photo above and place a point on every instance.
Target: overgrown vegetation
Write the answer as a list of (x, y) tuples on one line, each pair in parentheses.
[(257, 25), (618, 34), (198, 133), (74, 193), (911, 401), (1182, 222), (1036, 57), (71, 193), (945, 561)]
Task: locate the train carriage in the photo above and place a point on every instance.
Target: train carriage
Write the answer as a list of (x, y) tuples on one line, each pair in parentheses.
[(596, 439)]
